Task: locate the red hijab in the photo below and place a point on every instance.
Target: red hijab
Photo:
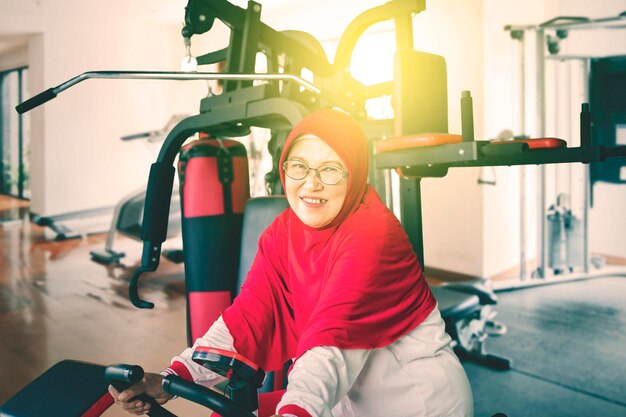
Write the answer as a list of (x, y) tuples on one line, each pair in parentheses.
[(347, 138), (353, 284)]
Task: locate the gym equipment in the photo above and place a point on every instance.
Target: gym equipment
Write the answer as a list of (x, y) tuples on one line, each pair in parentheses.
[(244, 377), (47, 395), (123, 376), (242, 105), (61, 224), (204, 396), (259, 213), (128, 212), (126, 221), (606, 75), (213, 177), (601, 73), (279, 106), (432, 161), (88, 383), (564, 232)]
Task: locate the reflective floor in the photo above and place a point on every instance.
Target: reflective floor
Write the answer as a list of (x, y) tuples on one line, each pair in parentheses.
[(566, 343), (55, 303)]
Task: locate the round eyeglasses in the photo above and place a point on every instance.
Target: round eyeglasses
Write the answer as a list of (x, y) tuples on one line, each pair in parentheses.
[(327, 174)]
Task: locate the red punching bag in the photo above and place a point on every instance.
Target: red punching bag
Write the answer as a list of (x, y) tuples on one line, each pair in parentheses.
[(214, 188)]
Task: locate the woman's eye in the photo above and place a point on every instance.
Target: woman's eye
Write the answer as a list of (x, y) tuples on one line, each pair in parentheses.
[(298, 165), (329, 168)]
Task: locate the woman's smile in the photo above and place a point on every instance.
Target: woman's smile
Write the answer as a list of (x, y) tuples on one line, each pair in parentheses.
[(312, 201)]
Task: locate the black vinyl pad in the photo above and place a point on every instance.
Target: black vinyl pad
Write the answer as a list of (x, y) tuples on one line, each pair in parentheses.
[(67, 389)]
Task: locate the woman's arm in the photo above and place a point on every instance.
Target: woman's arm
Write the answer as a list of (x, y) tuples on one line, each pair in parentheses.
[(319, 379), (218, 336), (182, 365)]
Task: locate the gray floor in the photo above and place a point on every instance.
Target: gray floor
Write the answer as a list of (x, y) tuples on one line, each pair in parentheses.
[(568, 346)]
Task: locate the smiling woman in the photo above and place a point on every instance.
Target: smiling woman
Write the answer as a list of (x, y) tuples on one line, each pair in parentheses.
[(336, 287), (316, 199)]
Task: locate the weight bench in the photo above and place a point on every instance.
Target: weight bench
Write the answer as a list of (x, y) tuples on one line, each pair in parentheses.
[(68, 389)]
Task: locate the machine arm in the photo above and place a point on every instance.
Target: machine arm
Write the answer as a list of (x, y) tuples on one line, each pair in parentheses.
[(51, 93), (248, 36)]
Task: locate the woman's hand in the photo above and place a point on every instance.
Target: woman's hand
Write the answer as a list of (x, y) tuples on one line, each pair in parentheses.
[(150, 385)]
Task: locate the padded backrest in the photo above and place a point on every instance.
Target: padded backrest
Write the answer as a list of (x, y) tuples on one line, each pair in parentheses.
[(259, 213), (420, 93)]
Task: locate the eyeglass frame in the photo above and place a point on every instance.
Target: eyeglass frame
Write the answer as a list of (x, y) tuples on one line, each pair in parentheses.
[(344, 172)]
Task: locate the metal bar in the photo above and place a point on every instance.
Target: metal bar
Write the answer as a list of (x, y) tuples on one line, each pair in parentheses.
[(450, 156), (50, 220), (51, 93), (585, 140), (612, 22), (541, 171), (404, 31), (20, 138), (512, 285), (3, 182), (390, 10), (575, 57), (411, 214), (522, 180), (183, 76), (613, 151), (429, 155), (249, 40)]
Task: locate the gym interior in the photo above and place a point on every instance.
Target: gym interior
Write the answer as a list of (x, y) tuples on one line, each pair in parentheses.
[(498, 138)]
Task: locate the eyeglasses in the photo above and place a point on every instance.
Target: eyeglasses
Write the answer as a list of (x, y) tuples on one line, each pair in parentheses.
[(327, 174)]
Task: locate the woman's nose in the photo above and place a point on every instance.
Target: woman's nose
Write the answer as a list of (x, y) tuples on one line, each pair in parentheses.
[(311, 181)]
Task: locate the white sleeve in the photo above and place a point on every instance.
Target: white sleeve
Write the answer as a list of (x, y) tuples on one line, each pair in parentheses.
[(218, 336), (321, 377)]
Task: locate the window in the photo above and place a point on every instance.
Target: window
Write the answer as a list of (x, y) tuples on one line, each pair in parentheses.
[(14, 143)]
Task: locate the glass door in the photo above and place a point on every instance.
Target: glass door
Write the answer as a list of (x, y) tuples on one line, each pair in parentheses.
[(15, 143)]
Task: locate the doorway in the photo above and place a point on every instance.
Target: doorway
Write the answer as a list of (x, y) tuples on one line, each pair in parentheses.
[(15, 135)]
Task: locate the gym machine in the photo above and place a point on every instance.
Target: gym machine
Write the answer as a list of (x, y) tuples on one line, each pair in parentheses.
[(284, 98), (280, 102), (64, 224), (128, 211), (562, 235)]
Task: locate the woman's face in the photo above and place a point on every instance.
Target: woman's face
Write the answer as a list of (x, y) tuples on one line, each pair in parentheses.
[(316, 204)]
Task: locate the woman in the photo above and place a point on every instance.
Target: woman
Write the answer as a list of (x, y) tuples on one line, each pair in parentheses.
[(337, 287)]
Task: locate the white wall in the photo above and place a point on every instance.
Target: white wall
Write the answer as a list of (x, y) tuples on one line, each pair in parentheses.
[(501, 112), (452, 206), (13, 58)]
